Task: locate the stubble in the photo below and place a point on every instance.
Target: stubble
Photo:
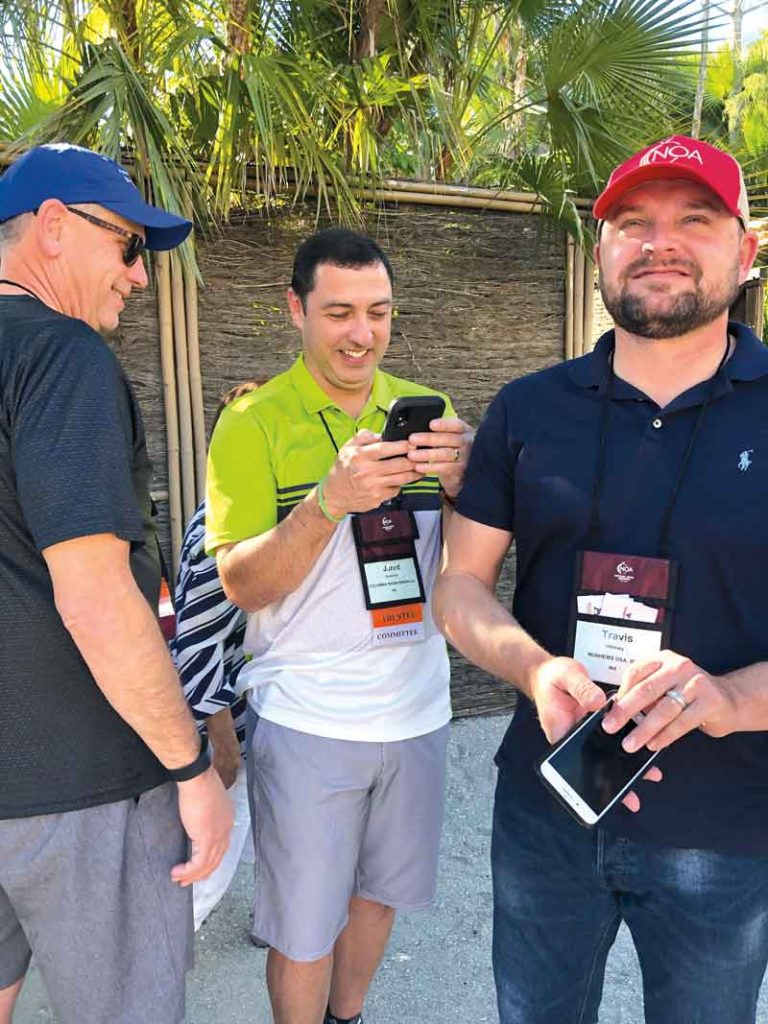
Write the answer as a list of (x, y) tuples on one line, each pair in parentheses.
[(641, 315)]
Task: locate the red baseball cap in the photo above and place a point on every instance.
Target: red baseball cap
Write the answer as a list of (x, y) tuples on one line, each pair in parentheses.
[(679, 157)]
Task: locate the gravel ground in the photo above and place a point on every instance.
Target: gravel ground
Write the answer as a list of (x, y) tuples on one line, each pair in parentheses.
[(437, 968)]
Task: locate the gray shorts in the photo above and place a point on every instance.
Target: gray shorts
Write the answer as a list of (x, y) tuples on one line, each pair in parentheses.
[(89, 894), (337, 818)]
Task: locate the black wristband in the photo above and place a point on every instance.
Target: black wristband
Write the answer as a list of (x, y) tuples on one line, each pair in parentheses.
[(190, 771)]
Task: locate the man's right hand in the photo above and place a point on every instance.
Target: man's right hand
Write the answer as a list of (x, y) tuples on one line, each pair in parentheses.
[(563, 694), (367, 472), (207, 815)]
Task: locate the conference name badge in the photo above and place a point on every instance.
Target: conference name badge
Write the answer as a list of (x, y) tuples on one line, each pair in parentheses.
[(621, 611), (393, 590)]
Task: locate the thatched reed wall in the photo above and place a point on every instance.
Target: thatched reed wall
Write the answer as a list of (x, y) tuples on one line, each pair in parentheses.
[(480, 300)]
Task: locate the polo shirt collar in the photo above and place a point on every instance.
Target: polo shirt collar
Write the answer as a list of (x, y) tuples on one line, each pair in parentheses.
[(589, 371), (381, 393), (750, 357), (315, 400), (749, 361)]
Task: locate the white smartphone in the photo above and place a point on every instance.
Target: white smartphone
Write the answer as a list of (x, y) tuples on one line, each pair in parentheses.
[(589, 771)]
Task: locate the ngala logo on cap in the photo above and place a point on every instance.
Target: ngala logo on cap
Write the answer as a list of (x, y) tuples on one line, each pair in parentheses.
[(669, 152), (679, 157)]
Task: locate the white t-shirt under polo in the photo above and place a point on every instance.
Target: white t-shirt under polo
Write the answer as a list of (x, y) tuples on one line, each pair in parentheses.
[(314, 666)]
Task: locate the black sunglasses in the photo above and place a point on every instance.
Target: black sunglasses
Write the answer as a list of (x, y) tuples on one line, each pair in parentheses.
[(136, 244)]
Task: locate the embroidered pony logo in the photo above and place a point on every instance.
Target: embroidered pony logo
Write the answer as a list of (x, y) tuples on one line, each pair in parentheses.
[(744, 460)]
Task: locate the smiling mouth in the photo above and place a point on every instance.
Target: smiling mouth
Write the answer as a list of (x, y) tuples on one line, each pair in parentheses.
[(661, 271), (357, 354)]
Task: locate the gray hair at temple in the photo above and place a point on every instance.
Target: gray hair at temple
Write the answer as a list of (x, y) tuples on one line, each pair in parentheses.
[(11, 230)]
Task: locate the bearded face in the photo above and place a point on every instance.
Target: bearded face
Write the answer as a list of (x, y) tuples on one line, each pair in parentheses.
[(667, 298), (671, 259)]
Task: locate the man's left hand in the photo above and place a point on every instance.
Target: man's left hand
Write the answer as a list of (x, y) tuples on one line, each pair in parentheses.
[(443, 451), (676, 696)]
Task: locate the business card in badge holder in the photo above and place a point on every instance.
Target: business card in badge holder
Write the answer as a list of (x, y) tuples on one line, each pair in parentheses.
[(607, 644)]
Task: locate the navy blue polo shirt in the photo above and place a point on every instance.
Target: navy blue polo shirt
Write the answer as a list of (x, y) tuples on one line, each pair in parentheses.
[(532, 472)]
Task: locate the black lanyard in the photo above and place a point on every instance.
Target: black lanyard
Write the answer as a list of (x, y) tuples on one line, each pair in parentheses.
[(23, 287), (593, 532), (328, 432)]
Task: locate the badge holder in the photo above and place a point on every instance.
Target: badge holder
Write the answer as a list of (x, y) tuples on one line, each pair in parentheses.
[(621, 612), (389, 571)]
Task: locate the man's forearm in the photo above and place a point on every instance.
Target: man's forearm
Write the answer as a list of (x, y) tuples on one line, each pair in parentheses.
[(473, 619), (221, 728), (120, 641), (258, 571), (226, 749)]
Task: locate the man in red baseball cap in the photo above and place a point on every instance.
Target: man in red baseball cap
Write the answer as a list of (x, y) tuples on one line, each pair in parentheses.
[(635, 481)]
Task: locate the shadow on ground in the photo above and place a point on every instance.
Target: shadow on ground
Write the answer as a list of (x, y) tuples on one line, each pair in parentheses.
[(437, 969)]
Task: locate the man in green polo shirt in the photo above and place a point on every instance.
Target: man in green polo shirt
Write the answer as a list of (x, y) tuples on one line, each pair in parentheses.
[(348, 695)]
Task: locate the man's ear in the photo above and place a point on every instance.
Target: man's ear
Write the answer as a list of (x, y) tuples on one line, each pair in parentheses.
[(50, 227), (295, 308), (748, 247), (596, 248)]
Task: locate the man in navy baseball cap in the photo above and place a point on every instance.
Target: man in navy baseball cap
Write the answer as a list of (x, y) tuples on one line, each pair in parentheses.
[(109, 807), (75, 175), (79, 227)]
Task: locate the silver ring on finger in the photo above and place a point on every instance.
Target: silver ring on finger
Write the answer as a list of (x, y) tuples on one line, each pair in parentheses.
[(456, 454), (677, 697)]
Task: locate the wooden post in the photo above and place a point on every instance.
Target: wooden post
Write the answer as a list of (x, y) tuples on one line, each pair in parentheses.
[(569, 261), (589, 302), (170, 402), (578, 302), (188, 500), (195, 382)]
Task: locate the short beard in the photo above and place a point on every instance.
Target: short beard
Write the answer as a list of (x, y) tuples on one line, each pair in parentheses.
[(689, 310)]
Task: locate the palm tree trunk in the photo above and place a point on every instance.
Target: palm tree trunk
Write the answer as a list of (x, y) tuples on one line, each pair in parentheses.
[(734, 116), (126, 24), (702, 80), (516, 122), (371, 13), (238, 26), (445, 162)]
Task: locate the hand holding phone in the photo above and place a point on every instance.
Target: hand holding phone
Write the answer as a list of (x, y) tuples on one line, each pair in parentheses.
[(366, 473), (442, 444), (563, 694), (589, 772), (411, 414)]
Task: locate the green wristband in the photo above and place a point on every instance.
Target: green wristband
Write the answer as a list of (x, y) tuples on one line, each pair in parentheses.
[(323, 507)]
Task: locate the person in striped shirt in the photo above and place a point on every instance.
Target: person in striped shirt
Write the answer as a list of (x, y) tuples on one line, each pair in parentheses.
[(208, 651)]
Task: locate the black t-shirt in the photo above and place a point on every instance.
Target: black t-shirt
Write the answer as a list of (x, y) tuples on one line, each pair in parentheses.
[(73, 463)]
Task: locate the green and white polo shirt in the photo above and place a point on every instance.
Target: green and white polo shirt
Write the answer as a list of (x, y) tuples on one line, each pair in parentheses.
[(313, 665)]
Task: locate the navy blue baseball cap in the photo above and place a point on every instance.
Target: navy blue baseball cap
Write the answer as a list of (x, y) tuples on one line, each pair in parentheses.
[(76, 175)]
